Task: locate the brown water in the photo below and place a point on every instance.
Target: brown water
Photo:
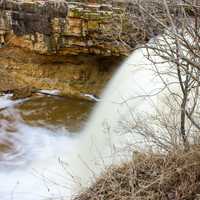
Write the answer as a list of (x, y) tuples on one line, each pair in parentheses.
[(55, 112), (40, 111)]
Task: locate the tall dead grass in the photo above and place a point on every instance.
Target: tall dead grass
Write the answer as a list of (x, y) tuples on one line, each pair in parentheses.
[(175, 176)]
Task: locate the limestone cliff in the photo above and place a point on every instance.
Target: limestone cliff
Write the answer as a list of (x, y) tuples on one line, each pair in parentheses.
[(71, 46), (47, 27)]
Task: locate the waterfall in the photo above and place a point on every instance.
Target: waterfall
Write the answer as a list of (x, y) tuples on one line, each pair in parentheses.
[(131, 92)]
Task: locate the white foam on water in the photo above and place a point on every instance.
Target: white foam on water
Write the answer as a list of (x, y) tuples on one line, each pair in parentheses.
[(50, 92), (41, 173), (32, 167), (5, 101), (91, 97)]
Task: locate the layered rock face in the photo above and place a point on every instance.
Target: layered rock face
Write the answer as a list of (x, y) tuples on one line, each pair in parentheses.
[(70, 46)]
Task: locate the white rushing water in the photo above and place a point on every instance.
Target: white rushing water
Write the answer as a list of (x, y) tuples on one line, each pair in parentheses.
[(131, 93), (44, 174)]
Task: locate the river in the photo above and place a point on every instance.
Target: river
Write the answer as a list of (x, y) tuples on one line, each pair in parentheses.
[(35, 135)]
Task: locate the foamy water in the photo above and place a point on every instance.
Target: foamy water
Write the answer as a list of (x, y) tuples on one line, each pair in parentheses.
[(32, 167), (38, 171)]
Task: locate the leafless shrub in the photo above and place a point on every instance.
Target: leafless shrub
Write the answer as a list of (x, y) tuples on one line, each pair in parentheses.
[(178, 25), (179, 46)]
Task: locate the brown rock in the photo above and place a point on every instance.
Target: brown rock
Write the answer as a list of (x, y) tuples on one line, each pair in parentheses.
[(51, 45)]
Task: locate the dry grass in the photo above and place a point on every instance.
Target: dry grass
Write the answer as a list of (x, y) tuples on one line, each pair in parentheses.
[(175, 176)]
